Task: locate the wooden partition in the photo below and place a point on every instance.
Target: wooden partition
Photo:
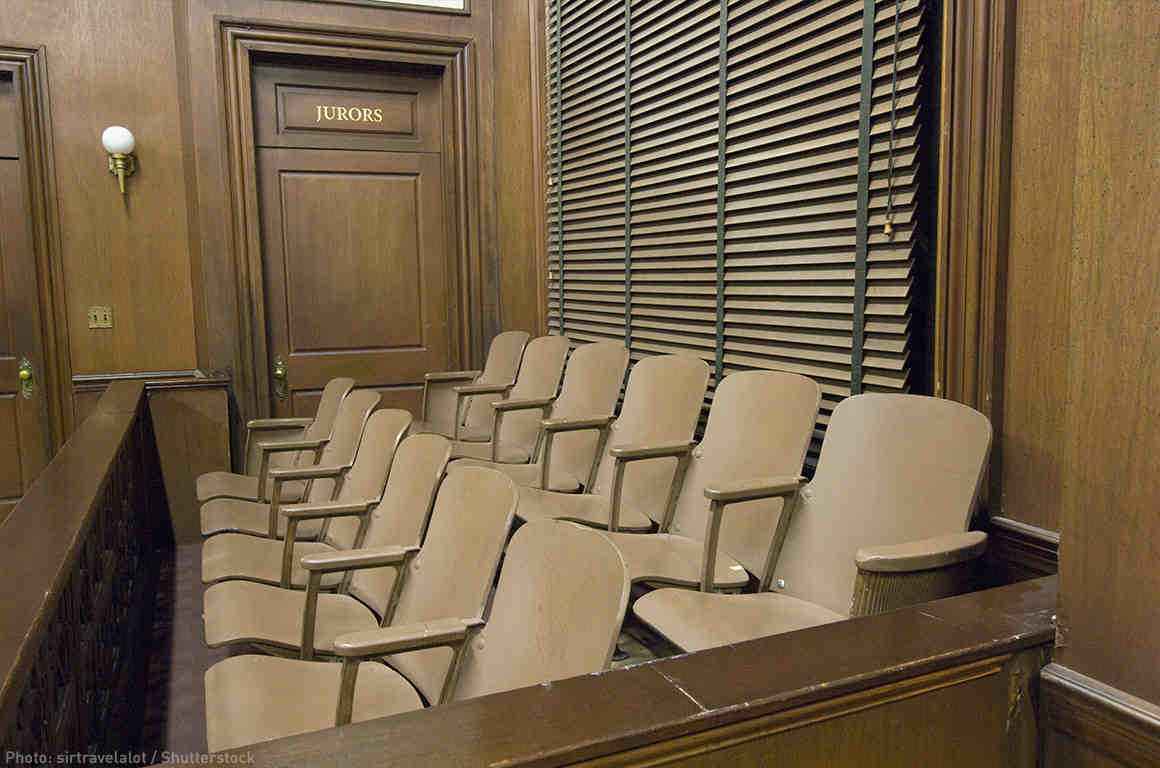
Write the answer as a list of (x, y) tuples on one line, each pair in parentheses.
[(951, 682), (78, 588)]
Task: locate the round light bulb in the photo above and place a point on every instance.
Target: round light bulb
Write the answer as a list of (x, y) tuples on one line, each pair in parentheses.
[(118, 140)]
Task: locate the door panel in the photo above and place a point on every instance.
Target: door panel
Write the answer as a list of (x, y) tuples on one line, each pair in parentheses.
[(355, 267), (24, 430)]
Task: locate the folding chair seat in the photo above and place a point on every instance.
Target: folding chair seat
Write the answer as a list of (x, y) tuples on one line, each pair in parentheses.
[(258, 518), (546, 623), (591, 387), (760, 425), (449, 402), (452, 573), (273, 444), (881, 525), (363, 493), (662, 403), (513, 439)]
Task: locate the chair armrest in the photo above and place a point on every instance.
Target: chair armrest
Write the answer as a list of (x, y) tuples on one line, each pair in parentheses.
[(304, 473), (482, 389), (641, 452), (721, 495), (408, 637), (756, 488), (524, 404), (278, 424), (322, 511), (922, 555), (356, 559), (442, 376), (291, 445), (552, 426)]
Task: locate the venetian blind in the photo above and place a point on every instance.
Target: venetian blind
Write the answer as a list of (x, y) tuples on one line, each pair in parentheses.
[(722, 178)]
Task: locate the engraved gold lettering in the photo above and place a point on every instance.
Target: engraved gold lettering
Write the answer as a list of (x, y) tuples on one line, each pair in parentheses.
[(348, 114)]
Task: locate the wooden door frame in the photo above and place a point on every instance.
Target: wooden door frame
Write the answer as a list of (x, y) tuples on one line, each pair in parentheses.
[(239, 40), (56, 376)]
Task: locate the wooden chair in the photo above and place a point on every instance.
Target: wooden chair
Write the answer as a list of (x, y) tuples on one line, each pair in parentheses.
[(759, 426), (514, 439), (413, 468), (546, 623), (882, 525), (450, 575), (322, 480), (591, 387), (661, 406), (276, 443), (445, 411)]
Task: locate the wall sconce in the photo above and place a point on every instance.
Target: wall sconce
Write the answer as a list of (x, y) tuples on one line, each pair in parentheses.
[(119, 143)]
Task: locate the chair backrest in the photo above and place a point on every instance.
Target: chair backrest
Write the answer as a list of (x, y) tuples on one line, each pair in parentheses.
[(893, 469), (591, 388), (539, 376), (451, 577), (400, 519), (368, 474), (661, 405), (319, 429), (349, 423), (332, 396), (759, 426), (501, 367), (548, 622)]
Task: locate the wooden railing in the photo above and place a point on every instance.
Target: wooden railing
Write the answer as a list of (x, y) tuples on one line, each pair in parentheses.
[(78, 573), (951, 682)]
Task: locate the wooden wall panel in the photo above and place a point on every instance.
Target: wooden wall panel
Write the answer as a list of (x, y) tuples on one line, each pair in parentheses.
[(1109, 619), (112, 62), (193, 436), (1046, 94), (519, 154)]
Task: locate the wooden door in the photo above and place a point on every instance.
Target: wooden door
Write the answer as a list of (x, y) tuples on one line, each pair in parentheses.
[(24, 427), (355, 248)]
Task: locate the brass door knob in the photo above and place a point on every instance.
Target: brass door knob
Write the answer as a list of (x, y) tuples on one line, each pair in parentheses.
[(24, 373), (278, 371)]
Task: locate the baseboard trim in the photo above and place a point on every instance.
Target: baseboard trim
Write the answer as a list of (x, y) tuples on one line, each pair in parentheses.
[(1124, 727)]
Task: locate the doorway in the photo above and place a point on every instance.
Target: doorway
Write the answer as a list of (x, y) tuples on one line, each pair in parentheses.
[(25, 427), (358, 263)]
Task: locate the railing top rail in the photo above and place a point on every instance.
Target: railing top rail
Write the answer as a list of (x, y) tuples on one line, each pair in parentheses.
[(41, 537)]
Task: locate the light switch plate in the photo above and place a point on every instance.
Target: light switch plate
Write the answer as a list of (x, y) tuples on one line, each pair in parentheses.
[(100, 317)]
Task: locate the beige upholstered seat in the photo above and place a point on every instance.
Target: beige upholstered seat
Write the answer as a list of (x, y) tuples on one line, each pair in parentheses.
[(760, 426), (591, 387), (450, 575), (240, 556), (263, 450), (445, 411), (546, 623), (661, 405), (261, 518), (881, 525), (516, 431)]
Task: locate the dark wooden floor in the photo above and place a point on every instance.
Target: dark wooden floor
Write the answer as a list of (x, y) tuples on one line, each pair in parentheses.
[(175, 704)]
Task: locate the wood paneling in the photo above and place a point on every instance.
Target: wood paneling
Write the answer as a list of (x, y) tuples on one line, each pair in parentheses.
[(193, 436), (1088, 725), (1036, 339), (113, 63), (162, 256), (1109, 617), (520, 144)]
